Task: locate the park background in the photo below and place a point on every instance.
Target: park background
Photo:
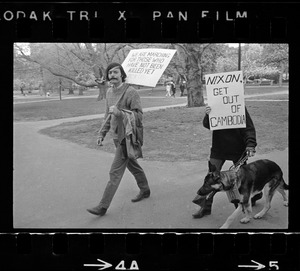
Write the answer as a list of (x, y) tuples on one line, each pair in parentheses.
[(66, 67), (60, 99)]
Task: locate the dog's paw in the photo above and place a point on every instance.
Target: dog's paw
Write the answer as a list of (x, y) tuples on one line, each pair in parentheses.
[(245, 220), (285, 203), (258, 216)]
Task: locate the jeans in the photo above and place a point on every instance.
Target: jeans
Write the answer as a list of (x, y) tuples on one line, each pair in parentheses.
[(120, 163)]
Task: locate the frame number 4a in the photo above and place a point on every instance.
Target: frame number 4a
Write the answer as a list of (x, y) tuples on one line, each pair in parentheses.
[(121, 266)]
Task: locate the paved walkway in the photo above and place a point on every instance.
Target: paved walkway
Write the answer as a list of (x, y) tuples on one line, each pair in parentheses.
[(56, 180)]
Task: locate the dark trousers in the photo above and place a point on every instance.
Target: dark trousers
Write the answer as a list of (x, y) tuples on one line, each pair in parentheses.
[(218, 163), (120, 163)]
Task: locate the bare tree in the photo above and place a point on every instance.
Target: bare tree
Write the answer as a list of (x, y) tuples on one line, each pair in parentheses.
[(276, 55), (81, 63), (192, 62)]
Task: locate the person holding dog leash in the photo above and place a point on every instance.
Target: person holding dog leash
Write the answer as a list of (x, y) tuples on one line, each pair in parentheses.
[(228, 144), (123, 111)]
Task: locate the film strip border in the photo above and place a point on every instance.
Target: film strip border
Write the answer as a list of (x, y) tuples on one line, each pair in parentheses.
[(134, 251), (133, 22), (158, 22)]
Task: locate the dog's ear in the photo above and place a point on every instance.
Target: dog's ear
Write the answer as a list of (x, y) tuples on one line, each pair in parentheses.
[(211, 167), (216, 174)]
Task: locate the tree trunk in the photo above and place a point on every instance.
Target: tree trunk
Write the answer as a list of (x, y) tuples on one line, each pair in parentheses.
[(81, 89), (281, 73), (71, 90), (102, 91), (195, 92), (60, 88), (42, 85), (195, 97)]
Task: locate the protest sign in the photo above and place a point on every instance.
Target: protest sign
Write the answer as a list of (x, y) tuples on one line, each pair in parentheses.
[(225, 96), (145, 66)]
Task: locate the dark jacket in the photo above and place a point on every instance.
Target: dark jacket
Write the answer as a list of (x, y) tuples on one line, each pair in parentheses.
[(229, 144)]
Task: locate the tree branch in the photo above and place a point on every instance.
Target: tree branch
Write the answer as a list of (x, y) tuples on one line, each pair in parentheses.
[(55, 73)]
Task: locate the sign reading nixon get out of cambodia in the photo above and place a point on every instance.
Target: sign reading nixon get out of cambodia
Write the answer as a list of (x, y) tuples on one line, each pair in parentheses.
[(146, 66), (225, 96)]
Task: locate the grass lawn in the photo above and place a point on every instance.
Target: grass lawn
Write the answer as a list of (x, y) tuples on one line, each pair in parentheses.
[(26, 110), (270, 97), (174, 134), (57, 109), (177, 134), (76, 107)]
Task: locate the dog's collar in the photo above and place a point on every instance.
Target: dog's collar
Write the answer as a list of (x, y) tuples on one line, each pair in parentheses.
[(228, 179)]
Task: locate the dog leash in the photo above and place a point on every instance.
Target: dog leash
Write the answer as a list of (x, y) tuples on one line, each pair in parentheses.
[(240, 162), (234, 167), (233, 194)]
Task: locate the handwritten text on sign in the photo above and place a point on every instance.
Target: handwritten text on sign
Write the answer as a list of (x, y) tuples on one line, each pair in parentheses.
[(146, 66), (225, 96)]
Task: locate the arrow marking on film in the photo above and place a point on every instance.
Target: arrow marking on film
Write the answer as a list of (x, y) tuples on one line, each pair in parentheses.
[(257, 266), (102, 265)]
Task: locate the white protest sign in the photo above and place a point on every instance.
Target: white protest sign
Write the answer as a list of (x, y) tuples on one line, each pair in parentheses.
[(145, 66), (225, 96)]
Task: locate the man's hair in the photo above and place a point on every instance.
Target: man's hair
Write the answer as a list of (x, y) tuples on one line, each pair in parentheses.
[(113, 65)]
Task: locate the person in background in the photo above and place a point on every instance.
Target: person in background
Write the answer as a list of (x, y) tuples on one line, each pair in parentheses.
[(168, 89), (182, 88), (182, 84), (22, 87), (173, 88)]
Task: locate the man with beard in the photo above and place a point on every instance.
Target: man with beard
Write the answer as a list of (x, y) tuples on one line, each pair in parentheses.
[(119, 98)]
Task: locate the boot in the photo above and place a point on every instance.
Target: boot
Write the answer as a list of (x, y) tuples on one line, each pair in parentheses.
[(97, 211), (205, 210), (199, 200), (141, 195)]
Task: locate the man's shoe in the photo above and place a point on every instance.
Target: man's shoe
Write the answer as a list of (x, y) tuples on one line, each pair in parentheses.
[(256, 197), (202, 212), (141, 195), (97, 211)]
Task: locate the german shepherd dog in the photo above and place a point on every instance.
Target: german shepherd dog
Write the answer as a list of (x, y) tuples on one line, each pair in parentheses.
[(250, 179)]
